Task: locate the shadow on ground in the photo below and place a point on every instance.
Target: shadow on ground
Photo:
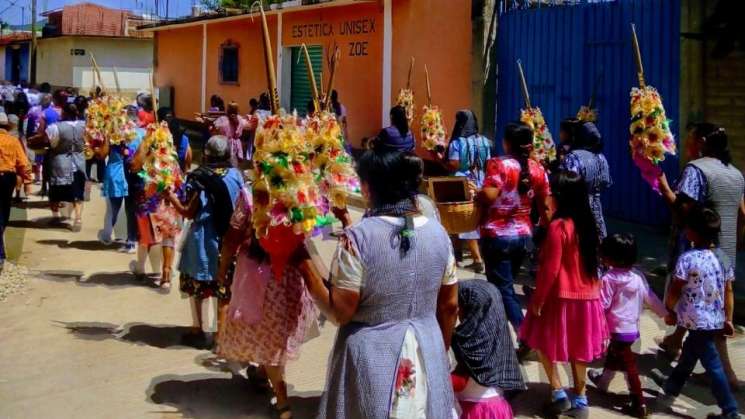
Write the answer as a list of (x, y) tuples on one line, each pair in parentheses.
[(211, 396), (105, 279), (90, 245), (158, 336), (43, 223)]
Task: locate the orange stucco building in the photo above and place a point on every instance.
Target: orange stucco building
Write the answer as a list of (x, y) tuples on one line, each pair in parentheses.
[(377, 40)]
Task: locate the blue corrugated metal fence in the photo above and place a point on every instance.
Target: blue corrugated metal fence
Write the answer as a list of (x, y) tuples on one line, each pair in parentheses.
[(564, 50)]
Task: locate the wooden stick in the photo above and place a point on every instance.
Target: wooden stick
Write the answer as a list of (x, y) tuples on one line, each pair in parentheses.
[(93, 74), (312, 77), (152, 96), (98, 71), (523, 84), (116, 81), (408, 79), (637, 56), (269, 61), (332, 76), (429, 88), (591, 103)]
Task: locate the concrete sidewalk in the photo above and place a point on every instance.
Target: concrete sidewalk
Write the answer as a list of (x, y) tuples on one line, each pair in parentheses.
[(87, 340)]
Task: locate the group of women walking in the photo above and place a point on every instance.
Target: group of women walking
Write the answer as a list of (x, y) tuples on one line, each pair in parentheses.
[(393, 287)]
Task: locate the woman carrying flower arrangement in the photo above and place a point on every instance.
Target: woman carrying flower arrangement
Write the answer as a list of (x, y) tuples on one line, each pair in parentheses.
[(709, 177)]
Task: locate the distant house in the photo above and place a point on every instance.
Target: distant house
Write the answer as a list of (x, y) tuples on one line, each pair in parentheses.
[(74, 32), (14, 56)]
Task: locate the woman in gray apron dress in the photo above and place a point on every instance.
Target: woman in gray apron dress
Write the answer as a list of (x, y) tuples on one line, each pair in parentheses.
[(394, 293)]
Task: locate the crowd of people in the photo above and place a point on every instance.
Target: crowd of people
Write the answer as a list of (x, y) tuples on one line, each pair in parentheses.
[(393, 287)]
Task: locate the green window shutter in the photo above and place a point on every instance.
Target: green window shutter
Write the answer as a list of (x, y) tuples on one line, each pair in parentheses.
[(300, 90)]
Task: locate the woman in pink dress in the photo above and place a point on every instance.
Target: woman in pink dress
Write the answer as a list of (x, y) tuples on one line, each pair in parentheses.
[(232, 125), (268, 318)]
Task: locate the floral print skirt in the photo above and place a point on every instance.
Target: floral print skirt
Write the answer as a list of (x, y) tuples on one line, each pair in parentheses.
[(288, 318)]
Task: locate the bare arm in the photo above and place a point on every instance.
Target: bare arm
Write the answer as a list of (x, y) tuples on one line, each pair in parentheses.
[(230, 245), (188, 210), (338, 304), (673, 293), (139, 159), (103, 151), (667, 192), (447, 311), (188, 158)]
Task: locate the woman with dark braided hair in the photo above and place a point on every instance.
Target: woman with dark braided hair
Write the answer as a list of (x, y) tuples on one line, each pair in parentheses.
[(394, 291), (709, 178), (513, 183)]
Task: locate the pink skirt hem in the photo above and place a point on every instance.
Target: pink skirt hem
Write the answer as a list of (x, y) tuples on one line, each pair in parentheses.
[(492, 408), (567, 330)]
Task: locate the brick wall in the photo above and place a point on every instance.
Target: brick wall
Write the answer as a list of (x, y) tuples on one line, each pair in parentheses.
[(724, 99)]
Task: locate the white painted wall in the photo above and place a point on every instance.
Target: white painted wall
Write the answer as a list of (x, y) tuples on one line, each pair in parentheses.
[(132, 59)]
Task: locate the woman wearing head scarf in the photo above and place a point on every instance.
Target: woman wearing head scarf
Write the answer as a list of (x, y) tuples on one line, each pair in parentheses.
[(487, 364), (394, 292), (468, 153), (586, 159), (210, 195), (398, 136)]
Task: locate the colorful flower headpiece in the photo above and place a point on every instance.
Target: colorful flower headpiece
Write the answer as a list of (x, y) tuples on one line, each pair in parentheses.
[(160, 170), (544, 149), (406, 100), (285, 192), (651, 139), (433, 132), (107, 118), (585, 114)]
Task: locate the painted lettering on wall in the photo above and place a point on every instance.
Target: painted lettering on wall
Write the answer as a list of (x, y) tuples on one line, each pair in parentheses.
[(357, 49), (324, 29)]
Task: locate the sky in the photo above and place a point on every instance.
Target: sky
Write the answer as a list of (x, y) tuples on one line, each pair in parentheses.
[(18, 12)]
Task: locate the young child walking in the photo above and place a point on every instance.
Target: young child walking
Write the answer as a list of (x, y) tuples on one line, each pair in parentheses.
[(701, 295), (487, 365), (565, 321), (624, 293)]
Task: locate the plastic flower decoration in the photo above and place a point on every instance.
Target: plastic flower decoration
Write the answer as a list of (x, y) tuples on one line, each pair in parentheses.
[(651, 139), (585, 114), (332, 165), (285, 192), (160, 170), (107, 118), (433, 132), (406, 100), (544, 149)]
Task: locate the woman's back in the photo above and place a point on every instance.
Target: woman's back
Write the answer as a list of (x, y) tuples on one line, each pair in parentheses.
[(399, 287), (472, 152)]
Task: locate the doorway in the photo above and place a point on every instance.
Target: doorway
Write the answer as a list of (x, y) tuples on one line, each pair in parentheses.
[(300, 94)]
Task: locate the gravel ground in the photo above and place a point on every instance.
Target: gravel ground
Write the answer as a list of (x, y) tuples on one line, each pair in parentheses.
[(12, 280)]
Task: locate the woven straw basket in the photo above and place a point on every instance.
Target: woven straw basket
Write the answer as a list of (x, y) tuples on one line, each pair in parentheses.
[(457, 213), (459, 217)]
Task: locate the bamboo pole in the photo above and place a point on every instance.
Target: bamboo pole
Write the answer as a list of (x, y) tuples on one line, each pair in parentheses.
[(152, 96), (429, 88), (408, 79), (332, 76), (595, 86), (98, 72), (268, 60), (637, 56), (523, 84), (116, 81), (312, 77)]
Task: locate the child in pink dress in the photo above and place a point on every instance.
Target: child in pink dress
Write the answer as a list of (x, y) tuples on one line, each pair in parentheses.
[(565, 321), (233, 125), (487, 364), (624, 293)]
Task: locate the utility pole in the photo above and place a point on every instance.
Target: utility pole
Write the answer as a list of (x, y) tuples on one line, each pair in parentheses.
[(32, 57)]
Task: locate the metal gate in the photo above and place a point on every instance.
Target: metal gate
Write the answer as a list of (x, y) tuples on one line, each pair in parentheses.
[(564, 49)]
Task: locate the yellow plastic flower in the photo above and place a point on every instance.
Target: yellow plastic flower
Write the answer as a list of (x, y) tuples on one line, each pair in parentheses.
[(433, 132), (405, 99), (651, 138), (544, 149)]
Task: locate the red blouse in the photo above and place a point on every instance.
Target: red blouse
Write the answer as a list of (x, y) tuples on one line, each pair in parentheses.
[(560, 270)]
